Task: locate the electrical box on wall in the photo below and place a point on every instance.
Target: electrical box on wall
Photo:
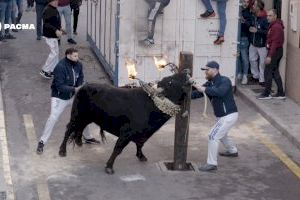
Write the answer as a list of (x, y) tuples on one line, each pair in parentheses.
[(294, 15)]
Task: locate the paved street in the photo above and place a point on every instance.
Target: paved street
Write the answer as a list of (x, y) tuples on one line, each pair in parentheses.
[(266, 168)]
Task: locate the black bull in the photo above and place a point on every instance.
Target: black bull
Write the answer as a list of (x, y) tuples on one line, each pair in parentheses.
[(129, 114)]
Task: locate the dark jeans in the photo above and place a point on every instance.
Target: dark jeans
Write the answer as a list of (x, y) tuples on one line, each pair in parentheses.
[(75, 18), (272, 71), (30, 3), (39, 8)]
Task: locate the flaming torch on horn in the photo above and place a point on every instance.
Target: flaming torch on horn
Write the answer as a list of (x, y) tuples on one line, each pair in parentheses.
[(132, 73), (161, 102), (162, 63)]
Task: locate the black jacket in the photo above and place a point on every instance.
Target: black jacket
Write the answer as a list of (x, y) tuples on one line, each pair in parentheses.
[(259, 38), (67, 76), (246, 22), (219, 91), (51, 21)]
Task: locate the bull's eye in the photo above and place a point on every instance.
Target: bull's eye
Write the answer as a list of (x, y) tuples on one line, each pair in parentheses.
[(170, 82)]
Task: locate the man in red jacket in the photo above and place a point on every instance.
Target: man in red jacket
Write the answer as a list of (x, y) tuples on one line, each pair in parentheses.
[(275, 39)]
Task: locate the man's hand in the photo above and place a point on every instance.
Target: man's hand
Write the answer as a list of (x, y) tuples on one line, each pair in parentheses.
[(58, 33), (77, 88), (63, 31), (268, 60), (253, 29), (200, 88)]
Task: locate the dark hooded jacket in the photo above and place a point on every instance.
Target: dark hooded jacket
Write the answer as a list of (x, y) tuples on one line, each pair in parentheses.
[(219, 91), (275, 37), (260, 22)]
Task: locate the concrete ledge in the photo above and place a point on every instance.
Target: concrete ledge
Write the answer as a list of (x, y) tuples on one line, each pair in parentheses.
[(275, 117)]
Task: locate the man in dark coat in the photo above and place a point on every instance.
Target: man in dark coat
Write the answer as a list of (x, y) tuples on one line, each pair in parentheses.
[(68, 78), (258, 37), (219, 90)]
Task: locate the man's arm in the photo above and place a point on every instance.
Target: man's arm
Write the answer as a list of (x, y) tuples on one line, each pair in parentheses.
[(218, 91)]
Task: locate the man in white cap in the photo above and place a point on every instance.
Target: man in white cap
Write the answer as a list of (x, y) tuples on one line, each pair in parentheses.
[(219, 90)]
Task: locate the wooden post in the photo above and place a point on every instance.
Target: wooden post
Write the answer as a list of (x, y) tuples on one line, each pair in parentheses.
[(183, 118)]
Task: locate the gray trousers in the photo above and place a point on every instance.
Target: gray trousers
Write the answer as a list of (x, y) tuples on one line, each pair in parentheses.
[(155, 7)]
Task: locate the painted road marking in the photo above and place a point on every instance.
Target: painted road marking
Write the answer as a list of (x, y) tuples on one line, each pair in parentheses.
[(5, 157), (42, 185), (291, 165)]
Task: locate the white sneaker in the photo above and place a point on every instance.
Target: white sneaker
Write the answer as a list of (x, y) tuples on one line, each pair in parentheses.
[(239, 76), (244, 80)]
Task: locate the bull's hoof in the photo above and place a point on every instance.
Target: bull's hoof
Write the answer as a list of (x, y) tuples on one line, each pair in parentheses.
[(142, 158), (78, 142), (62, 153), (109, 170)]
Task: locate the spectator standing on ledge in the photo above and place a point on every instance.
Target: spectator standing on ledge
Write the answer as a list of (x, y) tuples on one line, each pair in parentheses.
[(258, 37), (68, 79), (156, 7), (221, 4), (219, 90), (275, 40)]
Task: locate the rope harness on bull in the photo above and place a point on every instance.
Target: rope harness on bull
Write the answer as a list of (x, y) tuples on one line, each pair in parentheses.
[(161, 102)]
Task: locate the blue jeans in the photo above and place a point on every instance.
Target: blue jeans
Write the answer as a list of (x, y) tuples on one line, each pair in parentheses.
[(221, 5), (243, 66), (19, 4), (67, 13), (6, 8)]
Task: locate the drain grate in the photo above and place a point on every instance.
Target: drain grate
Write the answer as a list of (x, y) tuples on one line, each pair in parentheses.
[(169, 166)]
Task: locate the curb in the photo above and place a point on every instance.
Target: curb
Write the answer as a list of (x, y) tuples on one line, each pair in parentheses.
[(275, 122), (3, 186)]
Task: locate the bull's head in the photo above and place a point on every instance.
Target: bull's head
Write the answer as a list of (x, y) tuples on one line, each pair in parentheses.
[(174, 87)]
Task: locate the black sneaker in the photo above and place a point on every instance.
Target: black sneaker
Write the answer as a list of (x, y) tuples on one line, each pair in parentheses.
[(208, 168), (228, 154), (279, 96), (208, 14), (40, 148), (91, 141), (9, 36), (264, 97), (71, 41), (46, 75), (75, 33)]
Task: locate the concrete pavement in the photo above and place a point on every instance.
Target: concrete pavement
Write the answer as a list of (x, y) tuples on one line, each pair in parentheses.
[(262, 171), (282, 114)]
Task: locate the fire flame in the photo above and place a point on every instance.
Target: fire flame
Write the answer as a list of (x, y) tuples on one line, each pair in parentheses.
[(160, 63), (130, 64)]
